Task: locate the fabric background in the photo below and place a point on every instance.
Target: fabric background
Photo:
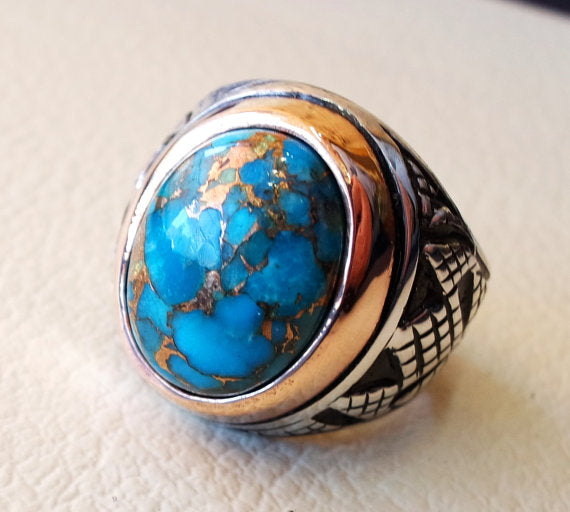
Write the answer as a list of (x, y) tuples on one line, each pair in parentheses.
[(87, 92)]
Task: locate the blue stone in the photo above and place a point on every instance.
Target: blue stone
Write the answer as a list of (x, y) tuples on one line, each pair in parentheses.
[(278, 331), (296, 208), (260, 173), (254, 250), (164, 260), (236, 262), (303, 162), (235, 198), (224, 343), (239, 225), (152, 308), (151, 337), (292, 280), (233, 274), (328, 242), (180, 368)]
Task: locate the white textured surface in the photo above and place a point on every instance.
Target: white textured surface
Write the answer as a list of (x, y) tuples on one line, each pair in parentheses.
[(88, 90)]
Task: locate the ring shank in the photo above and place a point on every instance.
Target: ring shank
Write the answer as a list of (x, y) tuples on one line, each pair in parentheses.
[(413, 280)]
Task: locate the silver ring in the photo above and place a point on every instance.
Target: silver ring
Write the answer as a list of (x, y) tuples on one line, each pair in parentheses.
[(289, 265)]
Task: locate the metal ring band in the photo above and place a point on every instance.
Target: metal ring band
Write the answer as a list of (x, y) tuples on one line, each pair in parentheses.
[(407, 292)]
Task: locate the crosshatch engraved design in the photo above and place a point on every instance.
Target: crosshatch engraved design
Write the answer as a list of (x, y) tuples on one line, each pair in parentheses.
[(449, 285)]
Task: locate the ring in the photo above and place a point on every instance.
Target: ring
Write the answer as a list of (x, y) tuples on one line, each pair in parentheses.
[(289, 265)]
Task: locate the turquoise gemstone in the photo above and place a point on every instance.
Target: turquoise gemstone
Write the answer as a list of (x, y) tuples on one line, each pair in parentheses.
[(236, 263)]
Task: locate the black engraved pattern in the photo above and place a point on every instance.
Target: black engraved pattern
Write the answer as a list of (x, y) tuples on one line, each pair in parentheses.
[(449, 285)]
